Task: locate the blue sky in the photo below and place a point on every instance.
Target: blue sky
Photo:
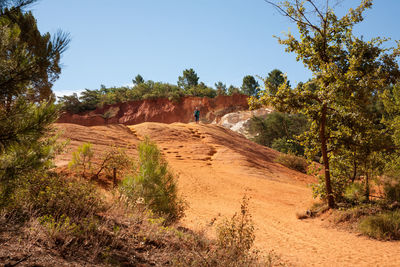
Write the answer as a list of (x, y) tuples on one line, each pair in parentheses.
[(222, 40)]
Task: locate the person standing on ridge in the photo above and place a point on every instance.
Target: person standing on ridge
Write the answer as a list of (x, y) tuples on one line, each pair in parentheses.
[(196, 115)]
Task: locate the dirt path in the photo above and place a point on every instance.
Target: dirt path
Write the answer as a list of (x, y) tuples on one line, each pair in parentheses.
[(216, 167)]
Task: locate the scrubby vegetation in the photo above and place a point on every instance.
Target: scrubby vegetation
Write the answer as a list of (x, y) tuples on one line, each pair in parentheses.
[(62, 217), (188, 85), (384, 225), (233, 247), (352, 106), (279, 131), (153, 184), (68, 215), (293, 162)]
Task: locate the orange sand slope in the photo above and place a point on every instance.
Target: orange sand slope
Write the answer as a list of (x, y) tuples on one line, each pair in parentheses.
[(216, 167)]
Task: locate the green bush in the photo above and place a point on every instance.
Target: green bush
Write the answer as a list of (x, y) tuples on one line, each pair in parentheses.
[(50, 194), (355, 192), (82, 159), (391, 190), (154, 184), (279, 131), (384, 226), (293, 162), (287, 146)]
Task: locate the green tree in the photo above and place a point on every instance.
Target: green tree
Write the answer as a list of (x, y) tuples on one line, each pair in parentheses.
[(34, 76), (154, 182), (201, 90), (82, 159), (274, 79), (347, 72), (250, 86), (138, 80), (233, 90), (221, 88), (26, 137), (70, 103), (188, 79), (279, 131)]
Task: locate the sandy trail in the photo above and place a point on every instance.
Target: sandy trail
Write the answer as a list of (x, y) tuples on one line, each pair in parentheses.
[(216, 167)]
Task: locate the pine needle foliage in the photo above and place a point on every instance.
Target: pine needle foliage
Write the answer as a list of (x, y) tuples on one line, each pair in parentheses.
[(154, 183)]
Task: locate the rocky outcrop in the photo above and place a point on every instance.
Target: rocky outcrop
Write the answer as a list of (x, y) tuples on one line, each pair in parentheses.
[(159, 110), (239, 121)]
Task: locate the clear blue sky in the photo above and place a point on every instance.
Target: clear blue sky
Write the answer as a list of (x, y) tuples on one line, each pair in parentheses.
[(222, 40)]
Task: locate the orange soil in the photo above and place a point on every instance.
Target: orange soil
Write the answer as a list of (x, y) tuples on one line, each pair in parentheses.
[(216, 167)]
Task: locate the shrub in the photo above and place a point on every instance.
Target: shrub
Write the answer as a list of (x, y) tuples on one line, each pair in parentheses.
[(233, 246), (285, 145), (154, 182), (355, 192), (391, 190), (382, 226), (293, 162), (82, 159), (50, 194), (113, 162), (235, 236)]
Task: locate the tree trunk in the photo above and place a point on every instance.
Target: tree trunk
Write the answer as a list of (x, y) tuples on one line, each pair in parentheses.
[(115, 177), (324, 150), (354, 167), (366, 184)]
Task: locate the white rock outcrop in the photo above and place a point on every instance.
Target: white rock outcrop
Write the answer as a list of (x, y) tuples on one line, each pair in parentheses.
[(239, 121)]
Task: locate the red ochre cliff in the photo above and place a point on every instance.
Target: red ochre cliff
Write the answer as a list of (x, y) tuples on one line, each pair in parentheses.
[(159, 110)]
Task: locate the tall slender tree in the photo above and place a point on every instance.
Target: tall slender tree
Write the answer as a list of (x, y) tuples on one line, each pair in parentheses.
[(347, 72), (250, 86), (28, 63), (188, 79)]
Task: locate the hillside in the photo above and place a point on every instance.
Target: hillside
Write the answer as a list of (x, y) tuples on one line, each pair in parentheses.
[(159, 110), (216, 167)]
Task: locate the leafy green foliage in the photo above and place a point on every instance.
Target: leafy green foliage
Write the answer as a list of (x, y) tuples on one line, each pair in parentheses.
[(275, 79), (82, 159), (91, 99), (154, 183), (32, 58), (138, 80), (250, 86), (348, 72), (188, 79), (50, 194), (384, 226), (279, 131), (29, 63), (338, 184), (221, 88), (233, 90), (355, 193)]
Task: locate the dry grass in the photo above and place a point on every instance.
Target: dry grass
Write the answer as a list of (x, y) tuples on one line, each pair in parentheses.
[(52, 231)]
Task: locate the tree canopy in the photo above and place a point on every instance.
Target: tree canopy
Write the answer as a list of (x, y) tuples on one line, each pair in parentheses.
[(347, 73), (33, 58), (188, 79), (250, 86), (29, 64)]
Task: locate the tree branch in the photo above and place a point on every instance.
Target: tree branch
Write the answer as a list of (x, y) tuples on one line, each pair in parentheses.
[(284, 13)]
